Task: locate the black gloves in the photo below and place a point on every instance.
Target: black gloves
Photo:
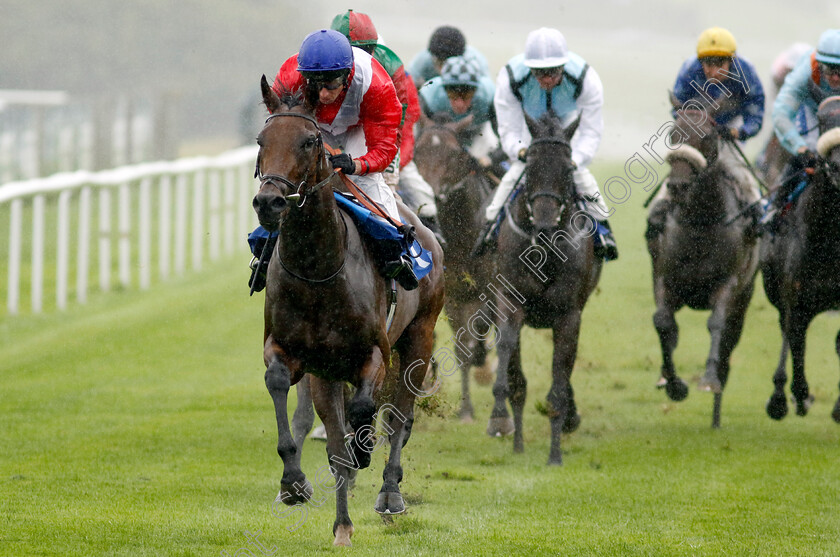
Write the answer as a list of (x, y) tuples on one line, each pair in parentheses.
[(807, 159), (344, 162)]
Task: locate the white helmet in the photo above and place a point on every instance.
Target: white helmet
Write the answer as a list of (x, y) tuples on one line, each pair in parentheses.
[(546, 48)]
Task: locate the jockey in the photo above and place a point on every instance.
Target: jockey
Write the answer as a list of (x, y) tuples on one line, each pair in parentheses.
[(444, 43), (358, 112), (461, 91), (717, 75), (815, 77), (550, 77), (402, 172)]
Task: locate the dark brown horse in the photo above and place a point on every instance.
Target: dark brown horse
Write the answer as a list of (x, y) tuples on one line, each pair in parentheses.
[(801, 269), (546, 253), (706, 258), (326, 309), (461, 188)]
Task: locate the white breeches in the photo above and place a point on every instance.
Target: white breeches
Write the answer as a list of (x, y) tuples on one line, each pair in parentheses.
[(418, 193)]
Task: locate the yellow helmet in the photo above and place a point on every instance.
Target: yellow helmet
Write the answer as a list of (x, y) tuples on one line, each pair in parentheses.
[(715, 41)]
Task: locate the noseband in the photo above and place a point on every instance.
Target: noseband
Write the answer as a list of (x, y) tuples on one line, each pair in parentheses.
[(273, 179)]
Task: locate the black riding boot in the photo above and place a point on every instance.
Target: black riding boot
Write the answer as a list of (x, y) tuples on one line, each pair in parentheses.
[(393, 262), (656, 219), (605, 247), (262, 248), (432, 224)]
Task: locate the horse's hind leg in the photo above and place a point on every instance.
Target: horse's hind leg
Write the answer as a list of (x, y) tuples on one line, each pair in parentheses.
[(294, 487), (415, 350), (304, 415), (835, 413), (328, 397), (518, 389)]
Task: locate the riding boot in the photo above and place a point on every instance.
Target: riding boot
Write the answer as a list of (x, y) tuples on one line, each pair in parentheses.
[(261, 243), (431, 222), (401, 270), (605, 247), (486, 240), (656, 219), (394, 262)]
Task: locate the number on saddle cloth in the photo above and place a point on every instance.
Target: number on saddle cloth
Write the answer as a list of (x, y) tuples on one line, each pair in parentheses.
[(388, 242)]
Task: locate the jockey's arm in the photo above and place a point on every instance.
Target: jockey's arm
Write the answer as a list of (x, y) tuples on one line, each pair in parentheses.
[(791, 96), (513, 131), (380, 115), (590, 103)]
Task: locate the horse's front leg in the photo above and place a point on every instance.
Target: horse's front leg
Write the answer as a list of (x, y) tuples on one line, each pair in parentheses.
[(668, 331), (328, 397), (777, 407), (294, 487), (507, 350), (304, 415), (562, 412), (362, 409), (797, 329)]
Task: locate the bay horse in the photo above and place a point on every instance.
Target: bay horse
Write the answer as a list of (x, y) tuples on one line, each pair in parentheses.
[(553, 280), (801, 266), (326, 313), (462, 189), (706, 257)]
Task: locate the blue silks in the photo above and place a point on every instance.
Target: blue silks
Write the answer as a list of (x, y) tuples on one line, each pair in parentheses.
[(378, 229), (369, 225)]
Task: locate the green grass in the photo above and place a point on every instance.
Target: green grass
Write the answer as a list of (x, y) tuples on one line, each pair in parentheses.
[(140, 425)]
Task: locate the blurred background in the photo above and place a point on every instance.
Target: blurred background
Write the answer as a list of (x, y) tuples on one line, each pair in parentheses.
[(139, 80)]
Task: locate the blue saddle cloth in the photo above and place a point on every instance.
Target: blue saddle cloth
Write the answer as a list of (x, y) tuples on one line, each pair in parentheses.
[(369, 225)]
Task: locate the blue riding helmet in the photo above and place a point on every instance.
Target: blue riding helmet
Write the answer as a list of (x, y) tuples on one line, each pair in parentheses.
[(326, 50), (828, 49)]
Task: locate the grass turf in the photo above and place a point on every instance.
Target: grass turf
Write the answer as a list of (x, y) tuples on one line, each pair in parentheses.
[(140, 425)]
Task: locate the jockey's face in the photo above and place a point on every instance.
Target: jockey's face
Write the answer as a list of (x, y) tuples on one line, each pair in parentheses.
[(715, 66), (548, 78), (328, 91), (460, 99), (832, 74)]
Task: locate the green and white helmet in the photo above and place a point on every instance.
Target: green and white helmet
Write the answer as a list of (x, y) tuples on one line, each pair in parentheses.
[(460, 71)]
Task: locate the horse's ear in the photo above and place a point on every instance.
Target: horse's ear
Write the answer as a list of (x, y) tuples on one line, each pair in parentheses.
[(270, 98), (570, 130), (533, 125), (463, 124), (673, 98)]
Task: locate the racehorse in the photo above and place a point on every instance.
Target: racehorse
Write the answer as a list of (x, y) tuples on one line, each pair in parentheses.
[(461, 188), (706, 257), (801, 266), (326, 313), (545, 251)]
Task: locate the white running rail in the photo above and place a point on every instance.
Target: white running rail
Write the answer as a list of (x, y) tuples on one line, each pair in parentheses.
[(141, 220)]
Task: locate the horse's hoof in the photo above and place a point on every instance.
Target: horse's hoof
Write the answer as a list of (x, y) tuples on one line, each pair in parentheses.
[(777, 407), (342, 535), (710, 383), (676, 389), (555, 460), (802, 406), (571, 423), (389, 503), (466, 417), (292, 494), (500, 427), (835, 414)]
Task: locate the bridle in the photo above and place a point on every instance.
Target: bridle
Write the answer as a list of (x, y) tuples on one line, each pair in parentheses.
[(445, 192), (300, 195), (560, 199), (272, 179)]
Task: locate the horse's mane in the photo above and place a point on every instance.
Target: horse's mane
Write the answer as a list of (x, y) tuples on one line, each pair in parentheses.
[(292, 98)]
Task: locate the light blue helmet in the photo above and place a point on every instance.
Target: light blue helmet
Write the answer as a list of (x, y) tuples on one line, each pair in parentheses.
[(828, 49), (460, 71)]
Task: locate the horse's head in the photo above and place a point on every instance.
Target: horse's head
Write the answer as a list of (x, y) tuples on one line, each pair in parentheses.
[(828, 145), (291, 158), (687, 164), (549, 180), (694, 123), (439, 155)]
